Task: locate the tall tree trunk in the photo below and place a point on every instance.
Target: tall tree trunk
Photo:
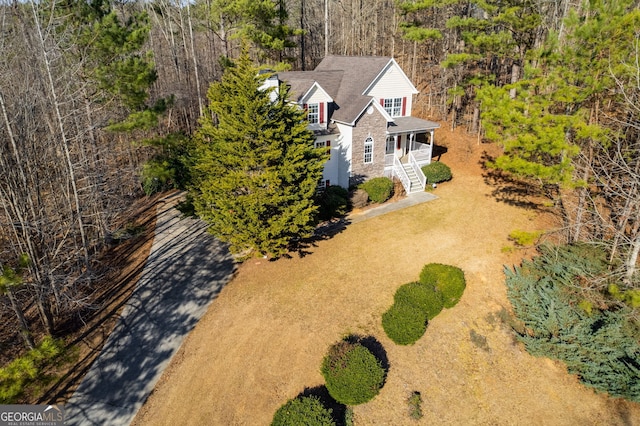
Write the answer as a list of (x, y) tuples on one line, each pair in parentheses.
[(25, 332), (632, 259), (476, 119), (515, 75), (63, 136), (195, 60), (582, 197)]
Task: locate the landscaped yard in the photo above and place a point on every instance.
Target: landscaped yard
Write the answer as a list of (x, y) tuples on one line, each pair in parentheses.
[(263, 339)]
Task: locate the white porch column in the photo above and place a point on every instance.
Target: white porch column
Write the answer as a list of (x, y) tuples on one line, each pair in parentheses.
[(431, 136)]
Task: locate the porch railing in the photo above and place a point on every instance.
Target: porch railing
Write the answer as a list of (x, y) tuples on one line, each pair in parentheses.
[(399, 171), (388, 160), (419, 146), (417, 170), (422, 157)]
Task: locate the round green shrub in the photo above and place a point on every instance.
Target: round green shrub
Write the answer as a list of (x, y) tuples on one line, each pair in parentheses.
[(425, 297), (303, 411), (353, 375), (448, 280), (379, 189), (437, 172), (404, 323), (332, 202)]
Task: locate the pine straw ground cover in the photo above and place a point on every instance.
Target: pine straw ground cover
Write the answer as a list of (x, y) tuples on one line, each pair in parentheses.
[(263, 339)]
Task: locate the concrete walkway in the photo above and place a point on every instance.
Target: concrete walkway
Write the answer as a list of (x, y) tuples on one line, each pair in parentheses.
[(408, 201), (185, 271)]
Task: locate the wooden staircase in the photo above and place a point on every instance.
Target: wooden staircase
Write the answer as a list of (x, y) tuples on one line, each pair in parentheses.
[(415, 182)]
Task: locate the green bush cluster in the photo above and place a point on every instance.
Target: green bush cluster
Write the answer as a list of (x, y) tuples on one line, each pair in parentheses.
[(424, 297), (598, 344), (416, 303), (303, 411), (22, 371), (332, 202), (379, 189), (404, 323), (448, 280), (353, 374), (437, 172)]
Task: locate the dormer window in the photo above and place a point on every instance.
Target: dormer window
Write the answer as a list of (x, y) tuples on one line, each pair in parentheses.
[(393, 106), (313, 113)]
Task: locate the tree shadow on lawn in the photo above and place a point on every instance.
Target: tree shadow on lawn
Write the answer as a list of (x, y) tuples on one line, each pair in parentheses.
[(510, 190), (374, 346), (438, 151), (325, 231), (338, 411)]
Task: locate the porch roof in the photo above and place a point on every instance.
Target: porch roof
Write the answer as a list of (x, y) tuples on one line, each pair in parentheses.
[(410, 124)]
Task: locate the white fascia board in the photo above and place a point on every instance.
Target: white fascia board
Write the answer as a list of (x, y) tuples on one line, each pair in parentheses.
[(392, 62), (373, 104), (304, 97)]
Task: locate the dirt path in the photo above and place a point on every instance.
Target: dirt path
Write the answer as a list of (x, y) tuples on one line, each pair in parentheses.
[(263, 339)]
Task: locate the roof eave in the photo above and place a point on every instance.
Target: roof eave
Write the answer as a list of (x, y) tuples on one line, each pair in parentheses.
[(302, 98), (414, 90)]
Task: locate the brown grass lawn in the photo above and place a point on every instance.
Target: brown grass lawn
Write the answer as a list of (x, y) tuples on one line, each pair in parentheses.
[(263, 339)]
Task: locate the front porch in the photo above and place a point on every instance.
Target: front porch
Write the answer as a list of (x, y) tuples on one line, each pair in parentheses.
[(408, 169), (409, 147)]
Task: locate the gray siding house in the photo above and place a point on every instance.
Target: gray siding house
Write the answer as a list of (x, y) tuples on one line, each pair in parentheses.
[(359, 108)]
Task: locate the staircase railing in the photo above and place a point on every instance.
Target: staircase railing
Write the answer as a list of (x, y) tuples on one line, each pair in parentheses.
[(418, 170), (399, 171)]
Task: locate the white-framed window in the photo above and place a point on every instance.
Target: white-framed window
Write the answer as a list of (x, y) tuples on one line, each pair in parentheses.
[(393, 106), (313, 113), (368, 150), (391, 145), (322, 185), (322, 144)]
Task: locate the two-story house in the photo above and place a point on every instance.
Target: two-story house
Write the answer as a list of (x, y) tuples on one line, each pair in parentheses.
[(359, 108)]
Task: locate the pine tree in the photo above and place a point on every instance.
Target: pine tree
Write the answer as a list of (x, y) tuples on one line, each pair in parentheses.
[(493, 38), (532, 127), (566, 111), (256, 170), (263, 22)]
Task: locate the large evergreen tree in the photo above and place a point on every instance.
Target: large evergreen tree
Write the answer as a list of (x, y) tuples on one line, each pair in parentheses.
[(492, 39), (257, 169)]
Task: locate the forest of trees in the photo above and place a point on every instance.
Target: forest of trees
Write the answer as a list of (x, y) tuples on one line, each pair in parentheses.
[(92, 91)]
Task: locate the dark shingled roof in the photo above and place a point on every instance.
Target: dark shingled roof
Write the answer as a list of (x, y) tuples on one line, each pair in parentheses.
[(358, 74), (344, 78), (301, 81)]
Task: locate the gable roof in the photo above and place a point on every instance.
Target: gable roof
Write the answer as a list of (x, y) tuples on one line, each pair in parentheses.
[(346, 79), (358, 73), (392, 63), (301, 82)]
